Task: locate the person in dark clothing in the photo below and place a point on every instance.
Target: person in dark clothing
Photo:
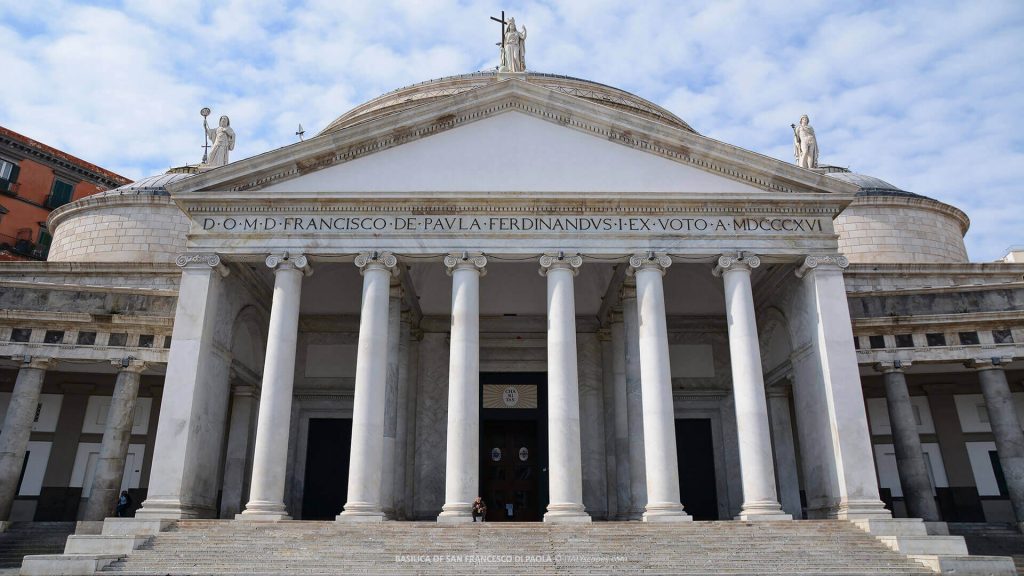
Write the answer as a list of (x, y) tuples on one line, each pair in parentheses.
[(124, 504), (479, 509)]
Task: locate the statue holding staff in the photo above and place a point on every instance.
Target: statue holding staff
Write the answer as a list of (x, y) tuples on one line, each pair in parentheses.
[(805, 145), (223, 138)]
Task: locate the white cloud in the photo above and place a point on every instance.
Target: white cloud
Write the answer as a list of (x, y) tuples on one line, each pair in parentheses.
[(929, 96)]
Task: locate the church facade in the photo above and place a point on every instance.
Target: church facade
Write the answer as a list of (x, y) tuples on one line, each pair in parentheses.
[(537, 290)]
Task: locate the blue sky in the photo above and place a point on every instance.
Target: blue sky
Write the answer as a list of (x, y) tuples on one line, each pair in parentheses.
[(928, 95)]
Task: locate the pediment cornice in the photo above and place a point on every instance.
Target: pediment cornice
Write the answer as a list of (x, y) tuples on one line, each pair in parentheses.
[(616, 126)]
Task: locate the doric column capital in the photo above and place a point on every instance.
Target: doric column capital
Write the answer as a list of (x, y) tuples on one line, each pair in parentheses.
[(741, 261), (558, 261), (465, 261), (128, 364), (615, 314), (628, 290), (779, 390), (37, 362), (822, 262), (893, 366), (202, 260), (996, 362), (377, 261), (244, 390), (285, 261), (648, 261)]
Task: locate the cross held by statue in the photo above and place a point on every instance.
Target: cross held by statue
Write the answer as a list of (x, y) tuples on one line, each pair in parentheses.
[(503, 24)]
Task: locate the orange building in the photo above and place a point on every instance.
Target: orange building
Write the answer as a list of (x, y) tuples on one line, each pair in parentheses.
[(35, 179)]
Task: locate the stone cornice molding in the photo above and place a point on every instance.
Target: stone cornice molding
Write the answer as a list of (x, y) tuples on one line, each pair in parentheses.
[(129, 364), (560, 261), (648, 261), (893, 366), (835, 262), (202, 260), (465, 261), (286, 261), (36, 362), (377, 261), (742, 261), (994, 363), (630, 130)]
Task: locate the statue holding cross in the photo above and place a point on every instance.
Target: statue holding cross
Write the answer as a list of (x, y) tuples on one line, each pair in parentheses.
[(513, 45)]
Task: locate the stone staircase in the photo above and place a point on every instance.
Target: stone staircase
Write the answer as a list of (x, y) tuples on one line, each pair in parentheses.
[(806, 547), (24, 538), (992, 539)]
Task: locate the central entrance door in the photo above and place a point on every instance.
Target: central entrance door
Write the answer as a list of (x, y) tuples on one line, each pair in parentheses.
[(513, 446), (327, 453), (696, 456)]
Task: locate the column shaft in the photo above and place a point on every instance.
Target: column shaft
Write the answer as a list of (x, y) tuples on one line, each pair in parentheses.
[(387, 490), (1007, 431), (239, 452), (785, 452), (656, 382), (365, 461), (109, 471), (565, 465), (462, 458), (757, 467), (405, 381), (621, 446), (270, 454), (634, 404), (14, 437), (917, 488)]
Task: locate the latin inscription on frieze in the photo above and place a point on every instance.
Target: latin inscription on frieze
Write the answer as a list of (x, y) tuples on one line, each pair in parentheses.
[(467, 224)]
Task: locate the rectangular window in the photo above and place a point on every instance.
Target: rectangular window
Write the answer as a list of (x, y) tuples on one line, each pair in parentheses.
[(53, 337), (167, 342), (118, 339), (969, 338), (1002, 336), (8, 175), (21, 334), (904, 340), (876, 342), (146, 341), (936, 339), (997, 469), (86, 338), (61, 194)]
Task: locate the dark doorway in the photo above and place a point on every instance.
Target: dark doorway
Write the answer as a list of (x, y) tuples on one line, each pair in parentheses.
[(696, 453), (327, 451), (513, 446)]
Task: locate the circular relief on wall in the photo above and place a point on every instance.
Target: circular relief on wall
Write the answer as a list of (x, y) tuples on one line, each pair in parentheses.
[(496, 454), (510, 396), (524, 454)]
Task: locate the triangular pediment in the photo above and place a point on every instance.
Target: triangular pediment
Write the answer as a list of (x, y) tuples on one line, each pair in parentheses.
[(511, 137)]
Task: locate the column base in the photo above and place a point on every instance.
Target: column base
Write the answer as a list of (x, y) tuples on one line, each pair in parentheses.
[(455, 513), (759, 511), (263, 511), (173, 509), (360, 512), (666, 512), (566, 514), (859, 510)]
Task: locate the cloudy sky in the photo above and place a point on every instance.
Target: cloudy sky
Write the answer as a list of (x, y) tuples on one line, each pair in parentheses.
[(928, 94)]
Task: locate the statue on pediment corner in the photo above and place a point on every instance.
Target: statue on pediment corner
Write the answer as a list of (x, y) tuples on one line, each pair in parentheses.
[(805, 144)]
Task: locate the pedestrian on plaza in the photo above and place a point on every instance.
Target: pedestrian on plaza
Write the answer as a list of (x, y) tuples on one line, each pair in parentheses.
[(479, 509)]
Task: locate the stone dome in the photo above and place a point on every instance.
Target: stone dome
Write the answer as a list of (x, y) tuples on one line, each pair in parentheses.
[(885, 224), (137, 222), (432, 90)]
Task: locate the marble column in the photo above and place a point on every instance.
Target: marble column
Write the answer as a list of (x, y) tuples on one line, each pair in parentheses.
[(834, 439), (462, 457), (785, 449), (565, 464), (621, 402), (387, 488), (1002, 415), (234, 493), (917, 487), (608, 403), (365, 460), (21, 413), (405, 382), (187, 449), (270, 453), (757, 467), (109, 470), (634, 403), (663, 503)]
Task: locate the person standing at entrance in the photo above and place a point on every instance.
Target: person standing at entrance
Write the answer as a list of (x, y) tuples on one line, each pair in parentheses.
[(479, 509), (124, 503)]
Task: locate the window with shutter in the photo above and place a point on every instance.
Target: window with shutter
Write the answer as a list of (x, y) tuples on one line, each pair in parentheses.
[(8, 175), (60, 195)]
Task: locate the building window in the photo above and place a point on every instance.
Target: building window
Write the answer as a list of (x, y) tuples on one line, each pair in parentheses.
[(146, 341), (969, 338), (60, 194), (876, 342), (997, 470), (118, 339), (53, 337), (43, 245), (86, 338), (904, 340), (8, 175), (167, 342), (982, 413), (1002, 336), (21, 334), (936, 339)]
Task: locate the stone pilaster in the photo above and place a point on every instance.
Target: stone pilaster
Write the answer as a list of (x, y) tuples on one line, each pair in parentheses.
[(621, 445), (634, 402)]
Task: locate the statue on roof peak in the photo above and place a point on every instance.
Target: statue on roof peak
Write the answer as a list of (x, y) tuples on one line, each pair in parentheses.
[(805, 144), (513, 48)]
